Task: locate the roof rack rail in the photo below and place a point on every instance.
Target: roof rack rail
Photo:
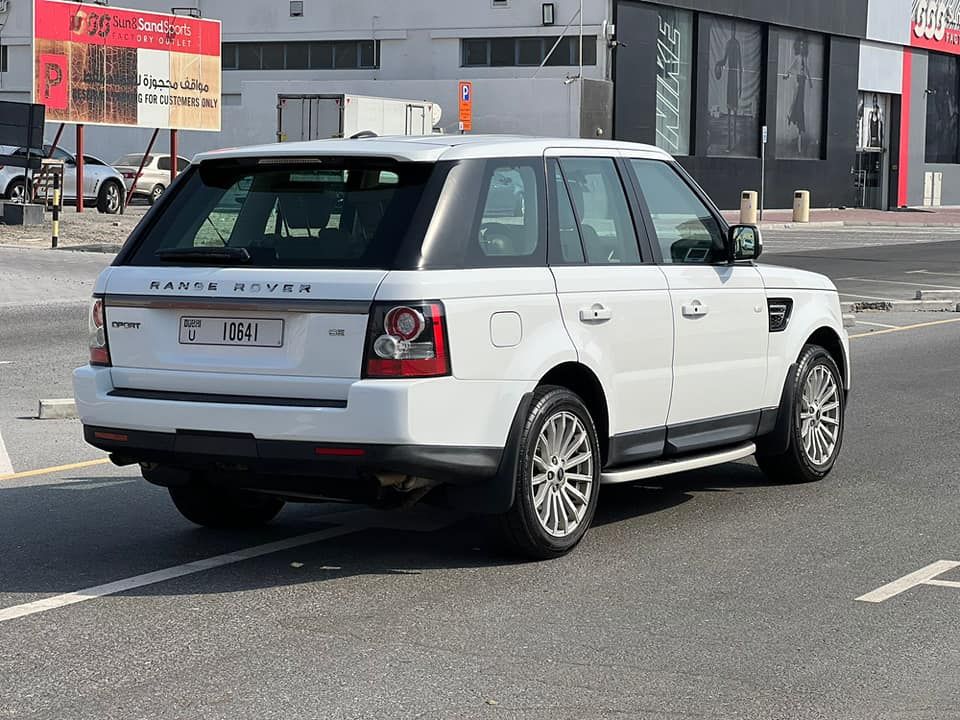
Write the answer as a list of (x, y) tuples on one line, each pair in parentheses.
[(363, 134)]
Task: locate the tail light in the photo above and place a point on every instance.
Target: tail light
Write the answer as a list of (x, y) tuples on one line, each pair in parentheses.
[(407, 340), (129, 175), (97, 322)]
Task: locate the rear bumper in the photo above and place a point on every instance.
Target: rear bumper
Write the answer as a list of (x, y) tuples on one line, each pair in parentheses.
[(443, 429), (209, 451)]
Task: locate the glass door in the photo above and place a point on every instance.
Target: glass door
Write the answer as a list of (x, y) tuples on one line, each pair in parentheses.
[(871, 172)]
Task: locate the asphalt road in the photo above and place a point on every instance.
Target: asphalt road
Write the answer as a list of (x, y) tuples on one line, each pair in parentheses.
[(718, 595)]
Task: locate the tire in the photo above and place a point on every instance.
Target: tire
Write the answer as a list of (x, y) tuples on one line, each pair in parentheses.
[(812, 451), (554, 524), (16, 189), (110, 197), (219, 508), (155, 193)]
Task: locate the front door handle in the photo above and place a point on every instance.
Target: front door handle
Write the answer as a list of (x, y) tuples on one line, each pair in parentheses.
[(596, 313), (695, 309)]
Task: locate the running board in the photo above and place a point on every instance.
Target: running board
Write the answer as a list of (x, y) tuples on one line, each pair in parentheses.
[(669, 467)]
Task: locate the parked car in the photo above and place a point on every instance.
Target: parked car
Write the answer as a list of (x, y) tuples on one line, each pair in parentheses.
[(102, 185), (155, 175), (353, 319)]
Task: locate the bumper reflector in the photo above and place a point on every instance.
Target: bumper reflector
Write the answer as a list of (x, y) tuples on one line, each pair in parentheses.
[(339, 452)]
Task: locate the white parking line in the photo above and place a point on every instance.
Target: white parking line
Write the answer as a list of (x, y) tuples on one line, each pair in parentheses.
[(900, 282), (868, 297), (930, 272), (875, 324), (923, 576), (152, 578), (6, 467)]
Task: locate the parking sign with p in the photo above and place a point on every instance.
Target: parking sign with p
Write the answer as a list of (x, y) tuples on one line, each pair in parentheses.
[(466, 106)]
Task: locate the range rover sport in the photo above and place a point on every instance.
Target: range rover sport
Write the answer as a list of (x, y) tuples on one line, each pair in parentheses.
[(500, 324)]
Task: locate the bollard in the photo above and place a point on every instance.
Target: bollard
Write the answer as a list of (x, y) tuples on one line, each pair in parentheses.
[(55, 241), (748, 207), (801, 206)]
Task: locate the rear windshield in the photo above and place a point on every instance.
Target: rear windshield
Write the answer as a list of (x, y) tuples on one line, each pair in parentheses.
[(134, 160), (350, 213)]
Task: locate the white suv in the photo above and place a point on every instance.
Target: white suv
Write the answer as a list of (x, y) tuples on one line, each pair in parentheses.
[(499, 324)]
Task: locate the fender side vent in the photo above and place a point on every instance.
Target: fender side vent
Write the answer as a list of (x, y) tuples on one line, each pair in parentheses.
[(779, 310)]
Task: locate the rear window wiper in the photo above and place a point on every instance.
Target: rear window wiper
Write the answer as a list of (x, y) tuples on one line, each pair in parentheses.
[(232, 255)]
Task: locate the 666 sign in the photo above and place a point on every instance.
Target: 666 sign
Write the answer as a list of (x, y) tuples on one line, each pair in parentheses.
[(935, 25)]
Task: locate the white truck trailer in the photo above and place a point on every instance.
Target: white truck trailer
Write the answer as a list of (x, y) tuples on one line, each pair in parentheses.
[(314, 117)]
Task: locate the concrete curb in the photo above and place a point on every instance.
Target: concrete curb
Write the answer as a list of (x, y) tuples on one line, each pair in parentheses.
[(65, 409), (901, 306), (951, 296), (800, 226), (849, 320)]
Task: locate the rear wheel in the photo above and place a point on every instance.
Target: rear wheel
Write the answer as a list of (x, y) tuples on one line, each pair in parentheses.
[(155, 193), (220, 508), (110, 198), (816, 423), (557, 478)]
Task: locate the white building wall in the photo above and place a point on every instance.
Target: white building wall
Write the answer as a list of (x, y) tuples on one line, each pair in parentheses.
[(419, 60), (881, 67)]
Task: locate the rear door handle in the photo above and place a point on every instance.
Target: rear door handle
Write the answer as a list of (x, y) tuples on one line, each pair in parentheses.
[(596, 313), (695, 309)]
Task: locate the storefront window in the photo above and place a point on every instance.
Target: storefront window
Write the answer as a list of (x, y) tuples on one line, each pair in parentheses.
[(674, 57), (943, 129), (800, 95), (734, 87)]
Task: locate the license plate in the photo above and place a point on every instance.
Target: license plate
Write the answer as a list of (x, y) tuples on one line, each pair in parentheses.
[(249, 332)]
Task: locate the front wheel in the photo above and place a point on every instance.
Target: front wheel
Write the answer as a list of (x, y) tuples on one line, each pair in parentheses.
[(17, 191), (557, 477), (222, 508), (110, 198), (816, 422)]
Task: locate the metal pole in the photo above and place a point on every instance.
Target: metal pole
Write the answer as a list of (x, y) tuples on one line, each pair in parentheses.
[(143, 161), (79, 168), (763, 171), (173, 155), (55, 240)]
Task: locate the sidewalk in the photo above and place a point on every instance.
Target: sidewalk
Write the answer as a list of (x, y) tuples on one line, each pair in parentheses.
[(911, 217)]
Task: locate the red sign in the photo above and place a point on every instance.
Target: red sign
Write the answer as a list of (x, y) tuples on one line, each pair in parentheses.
[(466, 105), (102, 65), (935, 25)]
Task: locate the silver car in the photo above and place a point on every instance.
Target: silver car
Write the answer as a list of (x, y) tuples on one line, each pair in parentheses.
[(102, 185), (155, 175)]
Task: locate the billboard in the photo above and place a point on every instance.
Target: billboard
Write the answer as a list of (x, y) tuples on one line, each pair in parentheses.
[(935, 25), (102, 65)]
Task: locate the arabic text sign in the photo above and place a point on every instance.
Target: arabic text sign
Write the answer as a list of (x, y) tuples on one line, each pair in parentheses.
[(102, 65)]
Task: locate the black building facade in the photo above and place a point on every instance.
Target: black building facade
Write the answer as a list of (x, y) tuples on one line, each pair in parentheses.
[(702, 78)]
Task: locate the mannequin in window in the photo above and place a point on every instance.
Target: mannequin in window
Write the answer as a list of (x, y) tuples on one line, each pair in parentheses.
[(732, 60), (875, 123), (798, 108)]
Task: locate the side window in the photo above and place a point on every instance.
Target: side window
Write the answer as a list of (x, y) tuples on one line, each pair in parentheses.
[(601, 208), (182, 164), (686, 230), (164, 163), (563, 221), (509, 224)]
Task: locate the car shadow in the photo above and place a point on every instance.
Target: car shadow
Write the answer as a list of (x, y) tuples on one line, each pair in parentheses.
[(121, 529)]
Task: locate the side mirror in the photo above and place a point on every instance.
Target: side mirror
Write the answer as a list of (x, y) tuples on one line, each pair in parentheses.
[(744, 242)]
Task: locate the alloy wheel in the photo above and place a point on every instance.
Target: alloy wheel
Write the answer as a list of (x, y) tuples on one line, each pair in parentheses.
[(562, 474), (820, 415)]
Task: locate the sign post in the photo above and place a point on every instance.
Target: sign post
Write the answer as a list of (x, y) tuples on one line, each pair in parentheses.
[(466, 106)]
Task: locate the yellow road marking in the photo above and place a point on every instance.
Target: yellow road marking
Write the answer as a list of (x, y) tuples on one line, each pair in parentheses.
[(56, 468), (905, 327)]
